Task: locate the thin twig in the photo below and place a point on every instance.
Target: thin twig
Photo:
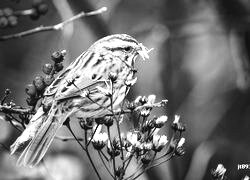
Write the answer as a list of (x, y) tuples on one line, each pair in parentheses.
[(113, 151), (13, 110), (64, 138), (69, 128), (105, 165), (55, 27), (5, 147), (89, 157), (157, 164), (92, 135)]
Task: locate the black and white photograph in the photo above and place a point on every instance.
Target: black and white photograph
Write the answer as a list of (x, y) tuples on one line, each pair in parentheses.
[(124, 90)]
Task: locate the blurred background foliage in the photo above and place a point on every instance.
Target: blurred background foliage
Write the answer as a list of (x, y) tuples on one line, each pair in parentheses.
[(200, 64)]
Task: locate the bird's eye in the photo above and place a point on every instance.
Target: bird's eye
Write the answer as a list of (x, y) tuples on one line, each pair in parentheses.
[(128, 48)]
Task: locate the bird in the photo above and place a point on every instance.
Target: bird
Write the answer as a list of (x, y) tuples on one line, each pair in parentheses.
[(80, 92)]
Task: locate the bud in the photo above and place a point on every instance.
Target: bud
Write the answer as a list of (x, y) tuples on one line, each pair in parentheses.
[(112, 151), (100, 120), (112, 76), (86, 124), (109, 121)]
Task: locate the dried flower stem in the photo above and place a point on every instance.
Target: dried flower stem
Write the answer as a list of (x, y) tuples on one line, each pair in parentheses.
[(88, 155), (62, 138), (55, 27), (105, 165), (112, 148)]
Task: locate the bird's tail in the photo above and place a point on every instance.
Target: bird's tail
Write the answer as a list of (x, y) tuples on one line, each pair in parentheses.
[(37, 137)]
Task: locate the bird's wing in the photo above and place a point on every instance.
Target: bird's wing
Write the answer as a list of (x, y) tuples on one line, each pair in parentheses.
[(55, 85), (75, 80)]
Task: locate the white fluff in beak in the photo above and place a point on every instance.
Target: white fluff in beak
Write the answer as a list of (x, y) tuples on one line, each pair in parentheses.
[(143, 52)]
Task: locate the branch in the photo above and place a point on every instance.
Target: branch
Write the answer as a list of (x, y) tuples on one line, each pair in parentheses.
[(11, 109), (55, 27), (64, 138)]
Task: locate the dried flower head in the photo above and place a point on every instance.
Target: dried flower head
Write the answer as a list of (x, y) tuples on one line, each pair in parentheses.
[(159, 141), (219, 172), (160, 121)]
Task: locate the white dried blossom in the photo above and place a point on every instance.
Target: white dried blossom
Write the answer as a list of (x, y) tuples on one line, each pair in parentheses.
[(181, 142), (137, 100), (132, 138), (151, 98), (147, 146), (220, 170), (145, 112), (246, 178), (131, 82), (160, 121), (176, 119), (159, 141), (100, 137)]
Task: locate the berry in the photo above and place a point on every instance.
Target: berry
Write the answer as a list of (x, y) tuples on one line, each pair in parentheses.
[(39, 83), (3, 22), (30, 90), (42, 8), (47, 68), (8, 11), (12, 20), (48, 80), (58, 67), (57, 57)]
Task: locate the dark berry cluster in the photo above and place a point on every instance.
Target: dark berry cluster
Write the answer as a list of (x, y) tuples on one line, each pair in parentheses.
[(36, 89), (7, 18), (39, 8)]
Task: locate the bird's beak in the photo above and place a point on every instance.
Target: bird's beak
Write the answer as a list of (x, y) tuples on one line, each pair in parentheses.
[(143, 51)]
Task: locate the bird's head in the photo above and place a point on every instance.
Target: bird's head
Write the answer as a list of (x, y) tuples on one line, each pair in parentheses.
[(121, 47)]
